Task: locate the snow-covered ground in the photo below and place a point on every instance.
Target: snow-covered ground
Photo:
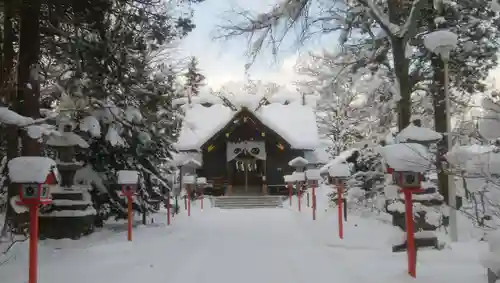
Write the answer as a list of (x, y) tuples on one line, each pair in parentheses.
[(255, 245)]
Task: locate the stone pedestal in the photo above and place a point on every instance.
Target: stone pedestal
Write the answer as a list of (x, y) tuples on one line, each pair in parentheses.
[(71, 214), (229, 189)]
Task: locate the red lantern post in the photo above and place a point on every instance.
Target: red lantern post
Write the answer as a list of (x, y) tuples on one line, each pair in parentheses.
[(129, 180), (340, 191), (410, 182), (313, 176), (190, 181), (338, 174), (201, 182), (34, 174), (313, 185)]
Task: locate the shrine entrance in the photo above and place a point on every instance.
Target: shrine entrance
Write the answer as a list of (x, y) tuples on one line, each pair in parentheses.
[(247, 176), (247, 167)]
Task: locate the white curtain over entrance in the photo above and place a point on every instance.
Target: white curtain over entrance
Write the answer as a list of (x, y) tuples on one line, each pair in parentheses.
[(255, 148)]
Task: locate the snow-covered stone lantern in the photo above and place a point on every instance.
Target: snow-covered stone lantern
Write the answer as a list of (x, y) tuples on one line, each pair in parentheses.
[(129, 179), (33, 174), (71, 213)]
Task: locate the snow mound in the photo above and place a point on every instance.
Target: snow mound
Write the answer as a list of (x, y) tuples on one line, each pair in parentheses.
[(30, 169)]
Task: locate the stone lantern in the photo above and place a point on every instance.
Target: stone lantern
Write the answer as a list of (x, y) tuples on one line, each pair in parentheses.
[(71, 214)]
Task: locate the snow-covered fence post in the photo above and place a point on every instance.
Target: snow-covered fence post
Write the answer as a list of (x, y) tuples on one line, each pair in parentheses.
[(129, 180), (289, 183), (299, 178), (189, 181), (313, 176), (201, 182), (299, 163), (408, 161), (33, 174), (338, 174)]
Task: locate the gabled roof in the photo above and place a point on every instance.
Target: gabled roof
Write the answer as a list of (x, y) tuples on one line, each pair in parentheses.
[(294, 122)]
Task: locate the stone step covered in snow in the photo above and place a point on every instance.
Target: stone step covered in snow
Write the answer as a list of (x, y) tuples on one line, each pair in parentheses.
[(228, 202)]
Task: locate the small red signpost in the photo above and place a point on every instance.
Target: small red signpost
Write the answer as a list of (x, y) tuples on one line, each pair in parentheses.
[(129, 180), (34, 175)]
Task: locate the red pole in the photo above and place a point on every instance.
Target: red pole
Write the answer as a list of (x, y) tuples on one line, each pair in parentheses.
[(290, 193), (168, 212), (129, 216), (339, 206), (299, 193), (33, 261), (202, 197), (410, 237), (314, 201), (188, 189)]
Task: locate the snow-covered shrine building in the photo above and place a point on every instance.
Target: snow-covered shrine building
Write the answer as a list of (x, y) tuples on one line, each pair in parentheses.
[(245, 148)]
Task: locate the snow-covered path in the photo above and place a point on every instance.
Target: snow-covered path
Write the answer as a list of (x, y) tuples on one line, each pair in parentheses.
[(259, 245)]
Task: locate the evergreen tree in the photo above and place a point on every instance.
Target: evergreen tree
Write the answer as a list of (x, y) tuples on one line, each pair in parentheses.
[(194, 79)]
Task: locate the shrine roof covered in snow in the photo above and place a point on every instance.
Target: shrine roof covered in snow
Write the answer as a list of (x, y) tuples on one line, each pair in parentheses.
[(294, 122)]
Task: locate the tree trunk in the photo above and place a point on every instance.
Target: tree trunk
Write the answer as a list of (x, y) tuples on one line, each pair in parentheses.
[(27, 78), (397, 13), (401, 71), (7, 82)]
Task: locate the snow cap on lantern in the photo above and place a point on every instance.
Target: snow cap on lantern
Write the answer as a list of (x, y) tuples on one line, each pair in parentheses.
[(298, 162), (129, 180), (34, 174), (288, 179), (313, 176), (409, 161), (189, 179), (201, 181), (298, 176), (339, 172), (441, 42), (421, 135)]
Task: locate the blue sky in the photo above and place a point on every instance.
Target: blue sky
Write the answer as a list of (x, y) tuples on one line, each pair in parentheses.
[(222, 61)]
